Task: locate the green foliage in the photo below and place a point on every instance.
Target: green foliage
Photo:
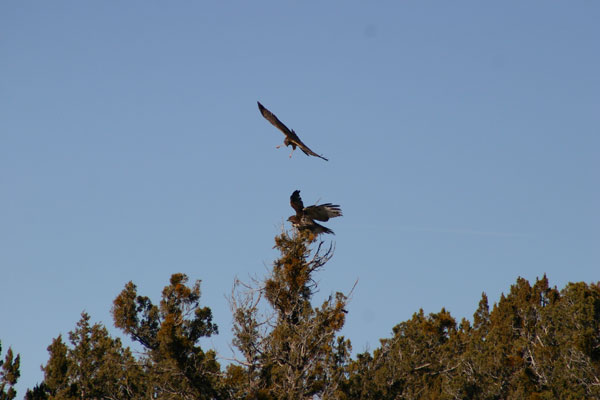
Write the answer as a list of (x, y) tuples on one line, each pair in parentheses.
[(177, 366), (94, 366), (536, 343), (290, 350), (9, 374), (418, 356)]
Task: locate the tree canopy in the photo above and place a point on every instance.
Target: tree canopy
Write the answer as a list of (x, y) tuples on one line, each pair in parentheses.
[(535, 342), (9, 374)]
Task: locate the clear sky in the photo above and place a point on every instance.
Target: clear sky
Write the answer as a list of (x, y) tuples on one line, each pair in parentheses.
[(463, 140)]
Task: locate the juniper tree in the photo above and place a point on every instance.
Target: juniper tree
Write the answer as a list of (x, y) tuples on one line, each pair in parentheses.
[(93, 366), (9, 374), (289, 347), (415, 363), (536, 343), (177, 367)]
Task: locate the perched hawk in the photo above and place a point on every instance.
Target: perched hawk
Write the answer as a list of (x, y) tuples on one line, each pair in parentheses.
[(305, 216), (290, 136)]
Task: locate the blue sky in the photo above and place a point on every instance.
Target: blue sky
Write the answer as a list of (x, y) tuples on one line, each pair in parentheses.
[(463, 142)]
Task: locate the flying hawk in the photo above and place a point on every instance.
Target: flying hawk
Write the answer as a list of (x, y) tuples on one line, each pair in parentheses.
[(305, 216), (290, 136)]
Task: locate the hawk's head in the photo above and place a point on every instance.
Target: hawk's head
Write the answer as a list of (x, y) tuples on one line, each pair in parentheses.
[(295, 220)]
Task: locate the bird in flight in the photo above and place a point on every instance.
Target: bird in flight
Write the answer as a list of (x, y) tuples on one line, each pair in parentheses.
[(290, 136), (305, 216)]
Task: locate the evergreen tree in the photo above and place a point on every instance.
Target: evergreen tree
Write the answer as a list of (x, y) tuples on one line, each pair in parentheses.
[(536, 343), (9, 374), (416, 363), (95, 366), (289, 346), (177, 366)]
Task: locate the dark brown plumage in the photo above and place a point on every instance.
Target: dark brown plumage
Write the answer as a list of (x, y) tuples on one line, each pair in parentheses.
[(305, 216), (291, 139)]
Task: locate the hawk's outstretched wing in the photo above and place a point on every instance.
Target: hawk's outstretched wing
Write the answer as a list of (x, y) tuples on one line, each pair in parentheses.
[(296, 202), (269, 116), (304, 147), (323, 212)]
